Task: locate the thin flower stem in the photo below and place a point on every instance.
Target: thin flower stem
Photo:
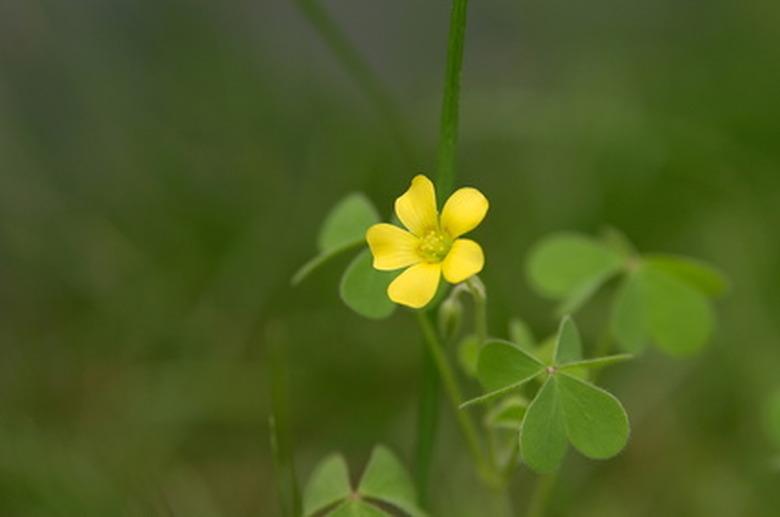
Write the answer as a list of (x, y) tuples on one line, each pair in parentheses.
[(427, 420), (282, 448), (354, 64), (452, 389), (448, 136)]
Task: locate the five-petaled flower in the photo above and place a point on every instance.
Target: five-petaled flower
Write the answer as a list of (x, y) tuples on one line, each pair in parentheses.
[(432, 246)]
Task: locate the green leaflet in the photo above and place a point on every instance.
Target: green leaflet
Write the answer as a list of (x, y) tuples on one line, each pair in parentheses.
[(507, 414), (386, 479), (347, 222), (344, 228), (679, 317), (503, 367), (628, 322), (468, 354), (543, 431), (502, 364), (568, 409), (364, 289), (569, 266), (702, 277), (568, 346), (328, 484), (597, 362), (655, 306), (357, 508), (596, 423), (521, 335)]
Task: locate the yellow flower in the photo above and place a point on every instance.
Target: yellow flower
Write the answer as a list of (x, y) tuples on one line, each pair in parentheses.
[(432, 246)]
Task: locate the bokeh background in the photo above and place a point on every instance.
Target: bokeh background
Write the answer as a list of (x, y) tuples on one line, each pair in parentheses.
[(164, 167)]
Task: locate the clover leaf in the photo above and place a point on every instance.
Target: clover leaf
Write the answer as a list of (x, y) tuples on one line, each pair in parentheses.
[(364, 289), (384, 480), (344, 228), (570, 268), (663, 299), (566, 409), (654, 306)]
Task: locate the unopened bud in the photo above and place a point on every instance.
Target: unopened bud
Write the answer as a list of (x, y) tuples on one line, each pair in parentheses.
[(450, 317)]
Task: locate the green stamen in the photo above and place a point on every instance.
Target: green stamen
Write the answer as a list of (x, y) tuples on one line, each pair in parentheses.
[(434, 246)]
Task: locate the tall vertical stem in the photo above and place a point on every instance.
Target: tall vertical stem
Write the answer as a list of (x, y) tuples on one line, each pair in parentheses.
[(427, 420), (279, 425), (451, 388), (448, 136)]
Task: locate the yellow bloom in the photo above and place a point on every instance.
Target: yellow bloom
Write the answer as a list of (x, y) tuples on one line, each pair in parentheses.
[(432, 246)]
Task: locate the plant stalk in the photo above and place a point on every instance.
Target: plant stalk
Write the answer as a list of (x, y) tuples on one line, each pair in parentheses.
[(427, 423), (451, 388), (448, 136)]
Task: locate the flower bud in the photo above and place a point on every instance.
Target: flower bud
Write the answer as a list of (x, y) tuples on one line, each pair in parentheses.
[(449, 317)]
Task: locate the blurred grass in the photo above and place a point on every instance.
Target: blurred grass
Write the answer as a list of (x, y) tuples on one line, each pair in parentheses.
[(164, 167)]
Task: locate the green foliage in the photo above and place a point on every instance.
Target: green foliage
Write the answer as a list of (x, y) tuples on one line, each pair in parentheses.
[(678, 318), (568, 346), (507, 414), (328, 484), (571, 267), (364, 289), (596, 423), (543, 430), (663, 299), (468, 354), (653, 306), (343, 228), (566, 409), (521, 335), (627, 322), (357, 508), (384, 479), (503, 367), (347, 222), (696, 274)]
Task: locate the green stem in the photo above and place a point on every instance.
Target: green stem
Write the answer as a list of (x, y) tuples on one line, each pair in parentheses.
[(541, 495), (450, 101), (354, 64), (452, 390), (278, 424), (428, 416)]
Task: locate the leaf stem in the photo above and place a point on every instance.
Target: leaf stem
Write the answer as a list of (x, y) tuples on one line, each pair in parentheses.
[(448, 136), (452, 390)]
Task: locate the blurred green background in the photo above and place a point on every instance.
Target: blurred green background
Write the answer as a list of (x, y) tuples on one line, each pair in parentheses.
[(164, 167)]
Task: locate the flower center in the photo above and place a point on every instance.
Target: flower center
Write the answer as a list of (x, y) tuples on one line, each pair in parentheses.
[(434, 246)]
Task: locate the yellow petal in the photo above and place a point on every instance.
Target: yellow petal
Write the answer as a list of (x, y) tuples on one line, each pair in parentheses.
[(465, 259), (392, 247), (416, 286), (416, 208), (463, 211)]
